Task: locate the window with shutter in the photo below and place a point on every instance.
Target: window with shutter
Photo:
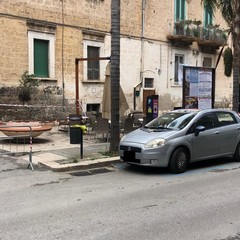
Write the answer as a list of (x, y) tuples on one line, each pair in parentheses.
[(41, 58), (93, 66)]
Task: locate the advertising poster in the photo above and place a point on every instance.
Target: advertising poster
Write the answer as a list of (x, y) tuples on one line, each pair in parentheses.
[(198, 87), (152, 107)]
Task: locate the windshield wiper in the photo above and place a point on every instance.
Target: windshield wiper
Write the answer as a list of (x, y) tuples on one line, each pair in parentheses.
[(161, 127), (157, 127)]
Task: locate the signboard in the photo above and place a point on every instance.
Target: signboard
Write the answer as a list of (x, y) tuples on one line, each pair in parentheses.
[(198, 87), (152, 107)]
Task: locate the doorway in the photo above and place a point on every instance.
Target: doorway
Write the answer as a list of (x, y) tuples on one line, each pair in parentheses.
[(147, 93)]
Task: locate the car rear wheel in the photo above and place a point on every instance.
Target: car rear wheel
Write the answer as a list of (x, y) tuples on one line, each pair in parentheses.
[(178, 160), (236, 155)]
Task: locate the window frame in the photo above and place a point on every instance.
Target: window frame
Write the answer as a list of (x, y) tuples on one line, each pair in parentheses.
[(207, 58), (93, 107), (176, 67), (51, 52), (102, 64), (91, 63), (147, 79)]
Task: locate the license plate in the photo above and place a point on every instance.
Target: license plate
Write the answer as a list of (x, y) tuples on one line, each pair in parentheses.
[(129, 155)]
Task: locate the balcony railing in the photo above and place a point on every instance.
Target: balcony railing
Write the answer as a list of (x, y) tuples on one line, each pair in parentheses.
[(187, 31), (212, 36)]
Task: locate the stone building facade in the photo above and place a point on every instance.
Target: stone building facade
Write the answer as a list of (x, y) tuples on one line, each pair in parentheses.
[(44, 37)]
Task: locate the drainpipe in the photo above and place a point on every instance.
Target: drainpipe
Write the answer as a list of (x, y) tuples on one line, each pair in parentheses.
[(63, 83), (142, 35), (142, 52), (77, 85)]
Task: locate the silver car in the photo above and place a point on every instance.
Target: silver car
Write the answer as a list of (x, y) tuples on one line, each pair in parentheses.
[(180, 137)]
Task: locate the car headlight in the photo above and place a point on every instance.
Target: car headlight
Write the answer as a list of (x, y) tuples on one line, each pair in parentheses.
[(155, 143)]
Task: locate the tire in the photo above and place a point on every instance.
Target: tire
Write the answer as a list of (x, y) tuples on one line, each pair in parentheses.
[(236, 155), (179, 160)]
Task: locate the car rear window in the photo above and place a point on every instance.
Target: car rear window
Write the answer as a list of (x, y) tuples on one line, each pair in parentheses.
[(225, 118)]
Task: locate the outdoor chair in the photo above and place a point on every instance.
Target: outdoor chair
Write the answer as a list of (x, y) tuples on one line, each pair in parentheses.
[(63, 122), (91, 124), (128, 125), (103, 128)]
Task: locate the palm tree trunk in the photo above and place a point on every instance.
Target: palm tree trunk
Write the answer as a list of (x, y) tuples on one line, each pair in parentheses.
[(115, 74), (236, 45), (235, 97)]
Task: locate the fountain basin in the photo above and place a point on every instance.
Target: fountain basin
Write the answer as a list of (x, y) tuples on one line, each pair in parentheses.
[(18, 129)]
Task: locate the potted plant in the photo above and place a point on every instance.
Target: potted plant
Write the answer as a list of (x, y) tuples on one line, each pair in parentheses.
[(195, 32), (179, 27), (196, 28), (188, 30)]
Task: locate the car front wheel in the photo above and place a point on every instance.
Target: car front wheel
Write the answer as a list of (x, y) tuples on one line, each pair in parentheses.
[(178, 161)]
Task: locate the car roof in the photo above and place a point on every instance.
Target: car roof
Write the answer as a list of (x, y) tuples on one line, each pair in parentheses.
[(183, 110), (192, 110)]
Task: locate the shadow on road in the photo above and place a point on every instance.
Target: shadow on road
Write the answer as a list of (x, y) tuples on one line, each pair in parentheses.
[(211, 163)]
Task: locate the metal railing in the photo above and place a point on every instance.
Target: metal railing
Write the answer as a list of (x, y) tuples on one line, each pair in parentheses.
[(200, 33), (15, 138)]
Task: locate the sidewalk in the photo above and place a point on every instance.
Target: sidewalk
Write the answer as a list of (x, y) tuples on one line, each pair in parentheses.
[(53, 151)]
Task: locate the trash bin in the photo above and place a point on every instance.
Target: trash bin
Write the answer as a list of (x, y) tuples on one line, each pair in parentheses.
[(75, 135), (75, 130), (74, 119)]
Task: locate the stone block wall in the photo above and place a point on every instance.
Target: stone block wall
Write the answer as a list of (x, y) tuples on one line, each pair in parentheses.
[(46, 104)]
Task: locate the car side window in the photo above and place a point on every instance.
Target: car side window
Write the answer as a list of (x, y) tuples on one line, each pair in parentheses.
[(225, 119), (207, 121)]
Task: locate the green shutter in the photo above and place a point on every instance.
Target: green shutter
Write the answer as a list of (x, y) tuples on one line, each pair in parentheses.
[(180, 9), (177, 7), (207, 17), (41, 58)]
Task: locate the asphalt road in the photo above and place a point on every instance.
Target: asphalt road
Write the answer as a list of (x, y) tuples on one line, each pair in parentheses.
[(120, 203)]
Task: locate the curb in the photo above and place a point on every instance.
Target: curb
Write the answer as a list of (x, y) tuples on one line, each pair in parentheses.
[(84, 165)]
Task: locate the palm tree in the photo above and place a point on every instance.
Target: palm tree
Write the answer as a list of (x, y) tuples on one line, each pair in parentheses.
[(230, 10), (115, 74)]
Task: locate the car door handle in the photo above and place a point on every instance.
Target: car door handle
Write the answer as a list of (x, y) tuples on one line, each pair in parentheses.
[(217, 132), (238, 128)]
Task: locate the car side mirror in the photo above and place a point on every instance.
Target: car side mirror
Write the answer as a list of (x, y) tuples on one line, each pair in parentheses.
[(199, 129)]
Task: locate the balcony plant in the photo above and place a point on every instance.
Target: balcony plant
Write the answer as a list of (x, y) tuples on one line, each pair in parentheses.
[(187, 23), (179, 27), (196, 28)]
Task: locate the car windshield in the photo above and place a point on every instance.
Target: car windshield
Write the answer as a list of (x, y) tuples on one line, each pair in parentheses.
[(171, 120)]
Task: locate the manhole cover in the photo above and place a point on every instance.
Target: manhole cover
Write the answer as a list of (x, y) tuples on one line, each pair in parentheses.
[(91, 172)]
